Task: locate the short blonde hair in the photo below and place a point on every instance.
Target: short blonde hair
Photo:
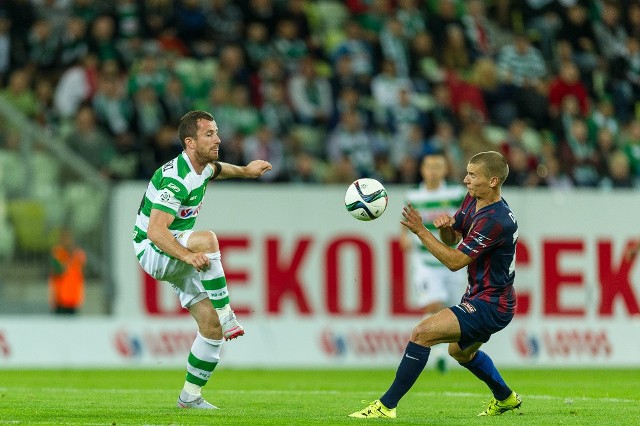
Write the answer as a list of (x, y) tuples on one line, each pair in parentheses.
[(494, 164)]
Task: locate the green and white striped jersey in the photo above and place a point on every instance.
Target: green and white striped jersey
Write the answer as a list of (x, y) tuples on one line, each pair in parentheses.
[(430, 204), (177, 189)]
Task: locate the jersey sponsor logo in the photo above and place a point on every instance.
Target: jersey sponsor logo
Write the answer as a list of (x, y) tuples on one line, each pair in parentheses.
[(173, 187), (185, 213)]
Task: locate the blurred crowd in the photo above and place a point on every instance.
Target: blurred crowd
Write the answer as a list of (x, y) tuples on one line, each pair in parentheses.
[(329, 91)]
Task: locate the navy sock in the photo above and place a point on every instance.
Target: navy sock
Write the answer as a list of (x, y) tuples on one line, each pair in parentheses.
[(413, 361), (482, 367)]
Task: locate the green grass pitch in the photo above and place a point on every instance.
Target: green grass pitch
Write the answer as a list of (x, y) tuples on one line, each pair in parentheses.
[(313, 397)]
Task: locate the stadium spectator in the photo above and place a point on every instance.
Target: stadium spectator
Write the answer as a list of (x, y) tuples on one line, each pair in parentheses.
[(349, 140), (445, 14), (42, 44), (77, 85), (192, 28), (149, 114), (5, 47), (310, 94), (264, 12), (103, 39), (553, 175), (158, 16), (577, 151), (66, 276), (577, 30), (411, 18), (113, 108), (359, 49), (257, 45), (386, 85), (263, 143), (522, 66), (398, 119), (174, 99), (350, 99), (444, 140), (425, 69), (243, 117), (45, 111), (567, 83), (275, 111), (225, 21), (410, 142), (603, 116), (497, 96), (305, 169), (288, 46), (18, 93), (89, 141), (394, 45), (618, 172), (454, 55), (542, 20), (609, 31), (472, 137), (296, 12), (73, 42), (631, 147), (483, 310), (479, 30)]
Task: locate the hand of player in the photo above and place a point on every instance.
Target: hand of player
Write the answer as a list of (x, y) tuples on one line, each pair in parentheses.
[(443, 221), (198, 260), (412, 219), (257, 168)]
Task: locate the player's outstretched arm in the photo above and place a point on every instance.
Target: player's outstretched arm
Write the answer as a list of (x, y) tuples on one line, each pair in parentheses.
[(253, 170)]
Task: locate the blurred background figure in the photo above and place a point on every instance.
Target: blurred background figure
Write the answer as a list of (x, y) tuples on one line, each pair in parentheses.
[(66, 278), (435, 286)]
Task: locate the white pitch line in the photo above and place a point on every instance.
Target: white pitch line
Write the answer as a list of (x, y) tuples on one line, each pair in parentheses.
[(566, 399)]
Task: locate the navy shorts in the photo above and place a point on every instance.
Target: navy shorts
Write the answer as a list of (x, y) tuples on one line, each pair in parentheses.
[(478, 321)]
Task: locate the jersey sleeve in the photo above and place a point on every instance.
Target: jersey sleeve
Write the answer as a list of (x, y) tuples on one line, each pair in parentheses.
[(484, 235), (458, 217), (171, 195)]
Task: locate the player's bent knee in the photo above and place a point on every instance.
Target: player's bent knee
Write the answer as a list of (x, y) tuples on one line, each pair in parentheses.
[(421, 336)]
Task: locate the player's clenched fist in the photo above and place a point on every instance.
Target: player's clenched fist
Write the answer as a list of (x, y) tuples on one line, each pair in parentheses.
[(443, 221), (198, 260)]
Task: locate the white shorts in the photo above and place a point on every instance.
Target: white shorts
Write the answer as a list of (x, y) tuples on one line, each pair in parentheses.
[(436, 283), (184, 278)]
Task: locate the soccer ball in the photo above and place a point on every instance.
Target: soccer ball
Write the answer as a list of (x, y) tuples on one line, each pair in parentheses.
[(366, 199)]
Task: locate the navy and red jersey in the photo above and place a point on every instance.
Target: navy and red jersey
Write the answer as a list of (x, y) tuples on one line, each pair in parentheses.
[(489, 236)]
